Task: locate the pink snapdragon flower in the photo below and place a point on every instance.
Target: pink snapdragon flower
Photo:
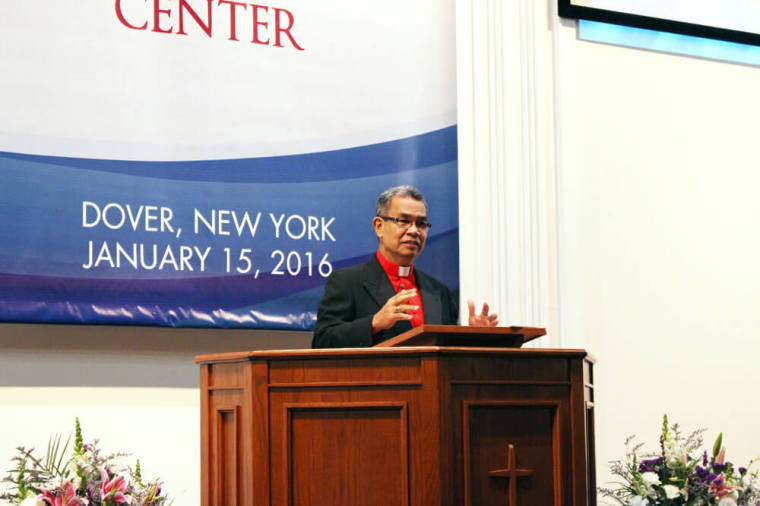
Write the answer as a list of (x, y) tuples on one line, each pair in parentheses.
[(113, 489), (64, 496)]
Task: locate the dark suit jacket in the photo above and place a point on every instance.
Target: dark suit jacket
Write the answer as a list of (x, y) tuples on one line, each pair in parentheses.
[(353, 295)]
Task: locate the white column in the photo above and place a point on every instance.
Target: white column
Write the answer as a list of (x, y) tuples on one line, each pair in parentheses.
[(507, 171)]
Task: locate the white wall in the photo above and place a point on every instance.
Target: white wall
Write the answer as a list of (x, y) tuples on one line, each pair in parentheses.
[(659, 240), (134, 388)]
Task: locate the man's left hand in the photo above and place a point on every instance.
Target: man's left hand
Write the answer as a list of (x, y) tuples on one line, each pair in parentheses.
[(482, 319)]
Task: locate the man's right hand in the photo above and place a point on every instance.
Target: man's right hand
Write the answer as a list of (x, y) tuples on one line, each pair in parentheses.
[(394, 310)]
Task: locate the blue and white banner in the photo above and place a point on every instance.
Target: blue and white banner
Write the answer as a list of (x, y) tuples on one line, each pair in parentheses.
[(209, 163)]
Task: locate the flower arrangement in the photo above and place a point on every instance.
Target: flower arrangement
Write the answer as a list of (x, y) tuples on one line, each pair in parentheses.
[(679, 475), (86, 478)]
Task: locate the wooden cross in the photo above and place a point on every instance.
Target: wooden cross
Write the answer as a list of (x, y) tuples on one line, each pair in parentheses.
[(511, 473)]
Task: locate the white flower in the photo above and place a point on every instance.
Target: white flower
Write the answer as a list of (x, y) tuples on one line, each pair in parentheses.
[(638, 501), (671, 492), (751, 482), (79, 461), (672, 453), (649, 478), (727, 501)]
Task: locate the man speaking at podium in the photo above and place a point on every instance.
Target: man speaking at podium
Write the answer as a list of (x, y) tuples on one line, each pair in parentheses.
[(375, 301)]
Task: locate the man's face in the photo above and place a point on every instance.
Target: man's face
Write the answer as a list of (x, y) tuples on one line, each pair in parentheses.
[(401, 246)]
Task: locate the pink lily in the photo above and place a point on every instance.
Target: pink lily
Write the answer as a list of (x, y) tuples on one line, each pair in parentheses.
[(718, 487), (113, 489), (65, 496), (721, 456)]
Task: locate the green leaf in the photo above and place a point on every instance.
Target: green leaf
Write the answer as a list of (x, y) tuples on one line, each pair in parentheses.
[(53, 464), (717, 445)]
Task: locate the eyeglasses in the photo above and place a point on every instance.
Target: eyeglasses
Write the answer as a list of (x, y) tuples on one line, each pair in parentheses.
[(405, 223)]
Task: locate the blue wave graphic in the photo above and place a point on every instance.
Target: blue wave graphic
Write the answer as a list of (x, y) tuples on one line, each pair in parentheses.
[(433, 148), (47, 233), (214, 302)]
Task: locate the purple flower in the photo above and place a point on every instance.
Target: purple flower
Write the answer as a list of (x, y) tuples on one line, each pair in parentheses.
[(704, 458), (704, 475), (742, 470), (648, 465), (84, 448)]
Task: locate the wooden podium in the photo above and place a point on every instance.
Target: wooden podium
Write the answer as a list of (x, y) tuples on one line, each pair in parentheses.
[(412, 425)]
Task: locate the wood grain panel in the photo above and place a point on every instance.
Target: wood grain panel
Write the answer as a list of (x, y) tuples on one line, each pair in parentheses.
[(511, 368), (533, 428), (206, 466), (228, 456), (226, 375), (345, 371), (347, 454), (223, 449), (260, 477), (588, 388)]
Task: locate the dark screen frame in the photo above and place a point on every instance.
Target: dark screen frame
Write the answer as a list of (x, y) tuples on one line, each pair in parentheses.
[(566, 9)]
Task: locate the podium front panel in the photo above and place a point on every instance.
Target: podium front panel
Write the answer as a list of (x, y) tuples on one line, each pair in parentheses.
[(420, 426)]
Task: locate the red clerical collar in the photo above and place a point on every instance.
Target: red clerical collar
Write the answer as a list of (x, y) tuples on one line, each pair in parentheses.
[(395, 271)]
